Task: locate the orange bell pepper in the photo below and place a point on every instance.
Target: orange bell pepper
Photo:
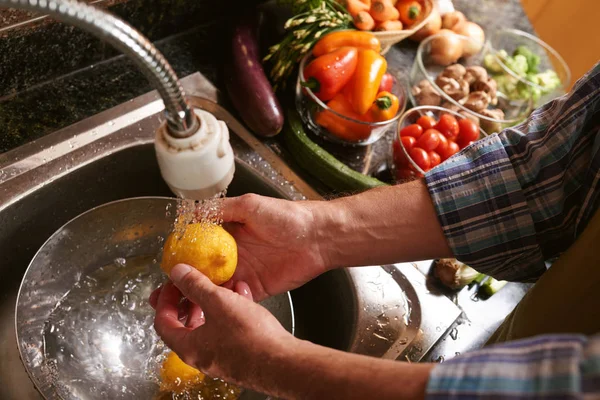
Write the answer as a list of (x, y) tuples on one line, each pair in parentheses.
[(337, 39), (385, 107), (362, 88), (328, 74), (343, 127)]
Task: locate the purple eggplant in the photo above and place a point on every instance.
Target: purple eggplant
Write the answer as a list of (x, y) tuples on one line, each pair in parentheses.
[(247, 84)]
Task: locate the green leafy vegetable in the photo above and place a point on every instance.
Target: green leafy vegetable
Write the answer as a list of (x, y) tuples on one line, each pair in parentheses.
[(533, 60), (525, 64)]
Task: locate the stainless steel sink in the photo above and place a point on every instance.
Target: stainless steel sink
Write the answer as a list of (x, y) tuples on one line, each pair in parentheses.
[(380, 311)]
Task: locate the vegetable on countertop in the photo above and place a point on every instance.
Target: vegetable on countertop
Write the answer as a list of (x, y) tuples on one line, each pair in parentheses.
[(363, 87), (248, 86), (385, 107), (335, 40), (388, 26), (490, 288), (363, 21), (446, 48), (342, 127), (326, 75), (313, 20), (410, 11), (451, 19), (472, 31), (319, 162), (454, 274), (432, 27), (383, 10), (525, 64)]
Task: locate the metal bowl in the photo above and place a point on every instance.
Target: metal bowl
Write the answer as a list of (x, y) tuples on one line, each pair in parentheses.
[(83, 322)]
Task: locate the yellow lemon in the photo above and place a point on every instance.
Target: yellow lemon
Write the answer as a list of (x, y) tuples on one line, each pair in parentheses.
[(207, 247), (177, 376)]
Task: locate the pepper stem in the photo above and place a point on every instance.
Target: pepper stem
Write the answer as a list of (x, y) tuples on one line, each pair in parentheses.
[(313, 84), (383, 102), (413, 12)]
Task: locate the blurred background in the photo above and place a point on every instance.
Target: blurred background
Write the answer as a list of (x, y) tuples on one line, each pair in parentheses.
[(569, 26)]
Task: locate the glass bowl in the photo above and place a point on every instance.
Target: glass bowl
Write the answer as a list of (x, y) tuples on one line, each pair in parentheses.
[(351, 131), (425, 71), (410, 117), (509, 40)]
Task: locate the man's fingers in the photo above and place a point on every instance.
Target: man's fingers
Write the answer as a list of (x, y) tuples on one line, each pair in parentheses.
[(153, 299), (243, 289), (166, 321), (195, 286), (195, 316)]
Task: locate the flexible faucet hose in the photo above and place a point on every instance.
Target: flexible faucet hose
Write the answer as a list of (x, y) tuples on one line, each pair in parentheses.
[(181, 120)]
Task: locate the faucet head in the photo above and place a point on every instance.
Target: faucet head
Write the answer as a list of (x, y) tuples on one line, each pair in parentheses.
[(199, 166), (182, 125)]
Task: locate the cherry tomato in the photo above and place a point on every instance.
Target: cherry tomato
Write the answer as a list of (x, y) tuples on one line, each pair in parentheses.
[(469, 131), (426, 122), (443, 144), (413, 130), (434, 158), (421, 158), (450, 151), (429, 140), (403, 174), (387, 82), (408, 142), (448, 125)]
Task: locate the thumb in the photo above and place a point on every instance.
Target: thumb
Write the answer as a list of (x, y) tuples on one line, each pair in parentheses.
[(195, 286)]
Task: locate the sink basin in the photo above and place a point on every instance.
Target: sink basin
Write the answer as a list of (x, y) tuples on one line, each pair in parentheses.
[(379, 311)]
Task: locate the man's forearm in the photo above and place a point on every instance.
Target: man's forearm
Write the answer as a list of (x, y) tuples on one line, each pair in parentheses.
[(381, 226), (309, 371)]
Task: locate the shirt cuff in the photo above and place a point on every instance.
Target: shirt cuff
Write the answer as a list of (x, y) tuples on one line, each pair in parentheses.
[(484, 214), (551, 366)]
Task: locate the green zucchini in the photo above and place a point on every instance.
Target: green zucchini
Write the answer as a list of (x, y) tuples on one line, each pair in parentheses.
[(321, 164)]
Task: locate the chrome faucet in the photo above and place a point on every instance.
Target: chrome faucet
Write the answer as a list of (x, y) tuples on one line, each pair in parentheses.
[(192, 148)]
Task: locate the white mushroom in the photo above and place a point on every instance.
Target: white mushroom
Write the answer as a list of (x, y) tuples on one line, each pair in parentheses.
[(491, 126), (457, 89), (425, 94), (455, 71), (477, 101), (475, 73), (490, 87)]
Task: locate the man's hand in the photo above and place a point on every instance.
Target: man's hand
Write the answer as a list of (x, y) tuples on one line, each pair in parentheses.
[(223, 333), (278, 243)]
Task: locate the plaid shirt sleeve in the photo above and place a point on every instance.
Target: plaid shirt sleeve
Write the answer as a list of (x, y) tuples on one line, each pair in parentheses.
[(553, 367), (512, 200)]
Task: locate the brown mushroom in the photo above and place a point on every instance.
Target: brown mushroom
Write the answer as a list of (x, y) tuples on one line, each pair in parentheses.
[(455, 71), (475, 73), (425, 94), (492, 126), (490, 87), (457, 89), (477, 101)]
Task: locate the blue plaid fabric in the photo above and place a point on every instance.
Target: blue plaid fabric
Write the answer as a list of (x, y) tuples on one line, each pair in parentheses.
[(507, 203), (512, 200)]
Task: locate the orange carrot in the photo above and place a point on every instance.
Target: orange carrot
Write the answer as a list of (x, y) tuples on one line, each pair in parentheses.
[(363, 21), (366, 2), (388, 26), (354, 6), (383, 10)]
